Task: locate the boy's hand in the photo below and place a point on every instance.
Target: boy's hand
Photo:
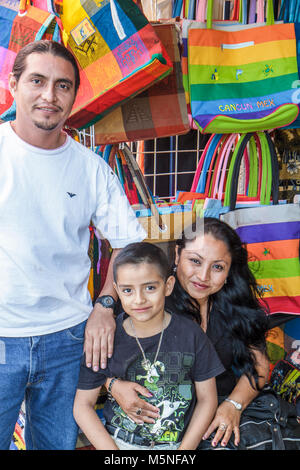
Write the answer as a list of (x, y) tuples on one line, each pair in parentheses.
[(99, 337), (126, 395)]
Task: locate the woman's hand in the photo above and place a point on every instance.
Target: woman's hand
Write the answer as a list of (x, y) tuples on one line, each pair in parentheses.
[(126, 395), (225, 422)]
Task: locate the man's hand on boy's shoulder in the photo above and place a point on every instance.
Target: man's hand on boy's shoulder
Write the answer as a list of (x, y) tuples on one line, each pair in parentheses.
[(99, 337)]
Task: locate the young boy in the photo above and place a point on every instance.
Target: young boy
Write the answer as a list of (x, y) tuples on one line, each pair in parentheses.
[(168, 354)]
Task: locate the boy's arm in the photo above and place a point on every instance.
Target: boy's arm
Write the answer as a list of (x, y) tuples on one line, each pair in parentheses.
[(89, 422), (203, 414)]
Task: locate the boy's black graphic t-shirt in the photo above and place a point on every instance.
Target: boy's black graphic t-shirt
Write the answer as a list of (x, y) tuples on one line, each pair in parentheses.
[(186, 356)]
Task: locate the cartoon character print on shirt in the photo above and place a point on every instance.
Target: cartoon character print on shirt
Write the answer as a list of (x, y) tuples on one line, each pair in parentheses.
[(172, 394)]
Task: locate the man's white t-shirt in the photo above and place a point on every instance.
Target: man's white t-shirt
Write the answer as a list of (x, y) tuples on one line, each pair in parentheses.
[(47, 200)]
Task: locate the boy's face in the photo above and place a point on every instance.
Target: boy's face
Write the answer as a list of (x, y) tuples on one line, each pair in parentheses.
[(142, 292)]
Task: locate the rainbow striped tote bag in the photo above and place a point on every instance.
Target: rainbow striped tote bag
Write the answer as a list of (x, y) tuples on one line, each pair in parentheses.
[(272, 235), (118, 52), (242, 77)]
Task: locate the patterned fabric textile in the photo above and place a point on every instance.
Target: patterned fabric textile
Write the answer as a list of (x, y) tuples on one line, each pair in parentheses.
[(159, 111), (118, 52)]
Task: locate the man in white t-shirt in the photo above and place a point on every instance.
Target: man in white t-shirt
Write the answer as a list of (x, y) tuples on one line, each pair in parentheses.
[(51, 187)]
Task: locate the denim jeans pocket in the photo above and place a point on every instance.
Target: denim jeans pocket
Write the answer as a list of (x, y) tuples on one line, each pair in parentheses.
[(77, 332)]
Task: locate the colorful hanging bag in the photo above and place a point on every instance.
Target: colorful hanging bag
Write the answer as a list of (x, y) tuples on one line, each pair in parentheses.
[(118, 53), (241, 77), (160, 111), (272, 234)]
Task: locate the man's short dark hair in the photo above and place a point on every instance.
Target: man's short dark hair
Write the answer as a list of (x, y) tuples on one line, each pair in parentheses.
[(44, 47), (142, 252)]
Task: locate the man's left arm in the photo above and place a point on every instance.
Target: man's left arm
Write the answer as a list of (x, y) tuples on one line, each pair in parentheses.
[(100, 327)]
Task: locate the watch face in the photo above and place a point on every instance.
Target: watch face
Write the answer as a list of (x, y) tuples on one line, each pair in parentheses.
[(106, 300), (238, 406)]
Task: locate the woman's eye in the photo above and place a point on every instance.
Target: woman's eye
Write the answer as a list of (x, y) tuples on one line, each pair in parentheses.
[(195, 260), (36, 81), (218, 267)]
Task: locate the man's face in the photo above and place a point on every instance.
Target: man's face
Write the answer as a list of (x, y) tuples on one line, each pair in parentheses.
[(45, 92)]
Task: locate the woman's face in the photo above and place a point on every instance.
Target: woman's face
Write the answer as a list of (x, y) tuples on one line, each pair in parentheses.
[(203, 266)]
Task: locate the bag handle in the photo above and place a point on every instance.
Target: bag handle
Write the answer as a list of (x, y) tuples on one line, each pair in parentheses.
[(275, 169), (252, 188), (142, 187), (114, 156), (218, 165), (209, 149), (232, 181), (221, 168), (269, 173), (213, 165), (209, 162), (222, 173)]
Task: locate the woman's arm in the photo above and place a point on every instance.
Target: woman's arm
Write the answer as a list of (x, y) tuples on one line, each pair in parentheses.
[(89, 422), (242, 393), (127, 394), (204, 411)]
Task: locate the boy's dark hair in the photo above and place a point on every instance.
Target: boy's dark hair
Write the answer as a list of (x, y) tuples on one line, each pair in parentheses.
[(142, 252), (43, 47)]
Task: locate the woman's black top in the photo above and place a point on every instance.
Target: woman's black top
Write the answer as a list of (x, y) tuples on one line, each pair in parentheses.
[(222, 342)]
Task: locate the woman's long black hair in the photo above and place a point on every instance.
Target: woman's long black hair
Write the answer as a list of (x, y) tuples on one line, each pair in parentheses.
[(237, 303)]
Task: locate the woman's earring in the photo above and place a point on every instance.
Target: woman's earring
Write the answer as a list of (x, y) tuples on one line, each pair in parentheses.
[(225, 281), (175, 269)]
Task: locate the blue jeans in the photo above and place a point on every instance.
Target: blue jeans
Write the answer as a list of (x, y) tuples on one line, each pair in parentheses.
[(43, 371)]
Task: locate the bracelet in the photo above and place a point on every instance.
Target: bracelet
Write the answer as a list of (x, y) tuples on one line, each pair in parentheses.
[(110, 397)]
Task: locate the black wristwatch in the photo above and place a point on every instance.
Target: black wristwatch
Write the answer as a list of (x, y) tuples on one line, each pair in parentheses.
[(106, 301)]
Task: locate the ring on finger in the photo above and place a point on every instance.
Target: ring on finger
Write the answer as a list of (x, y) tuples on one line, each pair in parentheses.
[(223, 427), (139, 411)]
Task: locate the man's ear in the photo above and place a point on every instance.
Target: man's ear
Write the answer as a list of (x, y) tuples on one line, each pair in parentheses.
[(169, 285), (12, 84)]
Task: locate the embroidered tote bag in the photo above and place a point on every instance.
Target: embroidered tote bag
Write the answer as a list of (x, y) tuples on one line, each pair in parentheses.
[(118, 52), (160, 111), (241, 77)]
